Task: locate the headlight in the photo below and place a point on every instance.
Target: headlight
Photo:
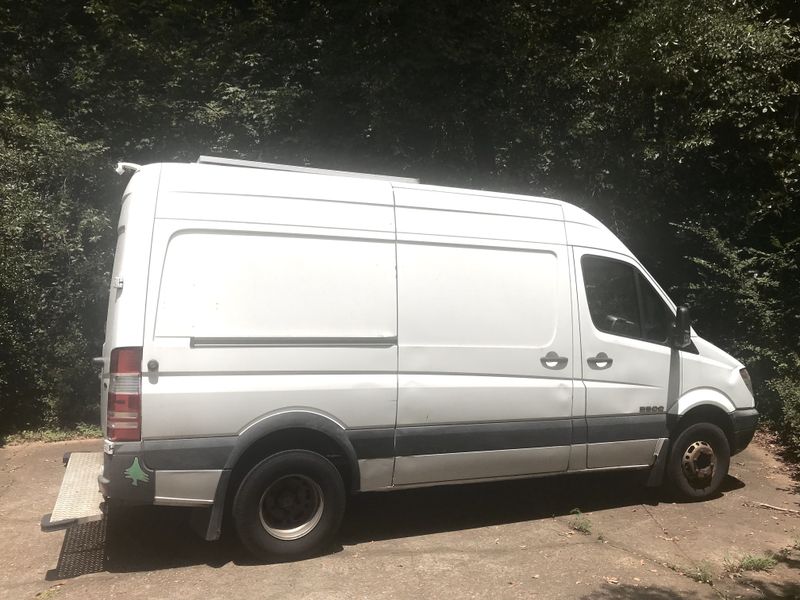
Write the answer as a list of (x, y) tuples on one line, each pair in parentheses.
[(747, 381)]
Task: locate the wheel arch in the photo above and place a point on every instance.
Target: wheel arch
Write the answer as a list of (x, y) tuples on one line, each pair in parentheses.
[(701, 397), (705, 411), (295, 430), (292, 430)]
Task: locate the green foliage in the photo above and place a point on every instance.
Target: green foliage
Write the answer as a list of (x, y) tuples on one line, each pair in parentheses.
[(580, 522), (702, 573), (750, 562), (79, 432), (52, 252), (744, 298), (673, 121)]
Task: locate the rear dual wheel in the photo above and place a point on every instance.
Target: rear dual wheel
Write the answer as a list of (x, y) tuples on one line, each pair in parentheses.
[(698, 462), (289, 506)]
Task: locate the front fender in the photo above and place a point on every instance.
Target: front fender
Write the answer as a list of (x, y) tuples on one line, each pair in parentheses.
[(700, 397)]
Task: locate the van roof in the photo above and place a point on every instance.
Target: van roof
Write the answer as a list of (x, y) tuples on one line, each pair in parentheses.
[(582, 228)]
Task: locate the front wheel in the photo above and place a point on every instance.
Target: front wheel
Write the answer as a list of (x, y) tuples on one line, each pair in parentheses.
[(289, 506), (699, 461)]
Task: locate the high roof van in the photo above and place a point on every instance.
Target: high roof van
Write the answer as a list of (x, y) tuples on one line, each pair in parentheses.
[(280, 337)]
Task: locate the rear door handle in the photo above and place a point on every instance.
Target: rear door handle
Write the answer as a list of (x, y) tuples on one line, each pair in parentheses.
[(601, 361), (552, 360)]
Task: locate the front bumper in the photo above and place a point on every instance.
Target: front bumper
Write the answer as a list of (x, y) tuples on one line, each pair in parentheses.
[(745, 422)]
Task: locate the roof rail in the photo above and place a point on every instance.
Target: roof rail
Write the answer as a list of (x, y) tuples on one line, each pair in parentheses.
[(235, 162)]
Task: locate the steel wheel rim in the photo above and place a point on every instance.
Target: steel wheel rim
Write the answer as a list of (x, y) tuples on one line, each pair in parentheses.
[(291, 507), (698, 463)]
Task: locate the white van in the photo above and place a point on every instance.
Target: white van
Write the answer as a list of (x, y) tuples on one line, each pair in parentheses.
[(278, 337)]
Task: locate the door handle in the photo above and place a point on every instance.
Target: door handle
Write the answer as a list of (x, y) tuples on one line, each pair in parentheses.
[(601, 361), (552, 360)]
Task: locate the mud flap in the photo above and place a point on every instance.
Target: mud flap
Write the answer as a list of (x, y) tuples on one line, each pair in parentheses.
[(207, 522), (656, 476)]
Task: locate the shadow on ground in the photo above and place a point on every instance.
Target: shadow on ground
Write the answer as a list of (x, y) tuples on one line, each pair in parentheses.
[(775, 589), (154, 538), (618, 592), (778, 590)]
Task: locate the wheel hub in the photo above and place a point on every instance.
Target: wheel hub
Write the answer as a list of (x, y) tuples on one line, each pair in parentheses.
[(291, 507), (698, 462)]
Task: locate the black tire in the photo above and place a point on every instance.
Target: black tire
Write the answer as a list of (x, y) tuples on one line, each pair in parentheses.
[(698, 462), (289, 506)]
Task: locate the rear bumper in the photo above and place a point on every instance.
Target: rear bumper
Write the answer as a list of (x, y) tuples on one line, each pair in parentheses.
[(166, 474), (745, 422), (126, 478)]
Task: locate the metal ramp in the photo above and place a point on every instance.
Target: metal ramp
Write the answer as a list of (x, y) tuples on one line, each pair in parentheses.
[(79, 498)]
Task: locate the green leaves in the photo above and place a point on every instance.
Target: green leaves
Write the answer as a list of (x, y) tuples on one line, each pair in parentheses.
[(53, 248)]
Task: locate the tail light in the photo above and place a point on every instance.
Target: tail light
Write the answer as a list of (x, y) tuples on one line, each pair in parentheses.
[(124, 414)]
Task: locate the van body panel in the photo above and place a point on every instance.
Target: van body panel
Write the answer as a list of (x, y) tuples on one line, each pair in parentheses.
[(348, 287), (633, 453), (375, 474), (284, 300), (476, 217), (129, 276), (128, 291), (462, 398), (430, 197), (587, 236), (186, 488), (176, 404), (482, 437), (229, 208), (466, 466), (699, 397), (627, 396), (434, 335), (475, 323), (713, 364), (190, 454), (584, 230), (261, 185)]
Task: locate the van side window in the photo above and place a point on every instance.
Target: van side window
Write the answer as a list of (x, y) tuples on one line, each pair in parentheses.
[(622, 302)]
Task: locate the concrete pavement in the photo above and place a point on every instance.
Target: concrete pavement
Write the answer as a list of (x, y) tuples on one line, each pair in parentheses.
[(501, 540)]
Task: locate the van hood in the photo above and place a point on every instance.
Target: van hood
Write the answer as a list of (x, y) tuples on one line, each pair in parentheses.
[(713, 353)]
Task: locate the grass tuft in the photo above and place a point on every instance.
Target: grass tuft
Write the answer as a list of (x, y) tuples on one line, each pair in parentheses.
[(751, 562), (579, 522), (53, 434), (701, 574)]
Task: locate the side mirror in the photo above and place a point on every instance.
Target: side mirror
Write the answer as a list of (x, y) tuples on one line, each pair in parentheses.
[(681, 332)]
